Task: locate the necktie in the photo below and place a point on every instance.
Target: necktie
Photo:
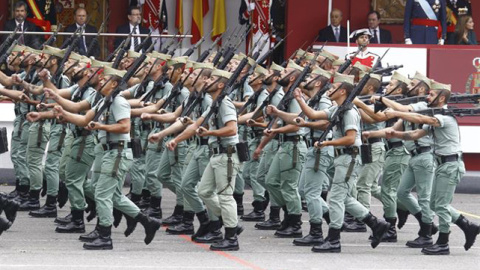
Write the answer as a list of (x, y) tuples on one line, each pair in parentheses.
[(135, 39), (21, 41), (337, 34), (81, 47), (375, 39)]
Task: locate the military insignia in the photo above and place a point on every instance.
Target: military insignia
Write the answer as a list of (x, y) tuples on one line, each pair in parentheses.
[(436, 6)]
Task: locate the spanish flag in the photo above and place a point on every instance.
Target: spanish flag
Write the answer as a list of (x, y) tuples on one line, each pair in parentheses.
[(219, 19), (179, 16), (200, 9)]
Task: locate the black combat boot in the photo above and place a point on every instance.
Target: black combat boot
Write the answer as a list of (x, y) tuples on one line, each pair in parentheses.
[(145, 201), (402, 217), (135, 198), (273, 223), (294, 228), (186, 226), (151, 226), (103, 241), (391, 235), (204, 225), (424, 238), (418, 216), (48, 210), (176, 217), (33, 202), (379, 228), (331, 243), (214, 233), (229, 243), (154, 210), (89, 237), (314, 237), (258, 214), (239, 200), (117, 217), (62, 194), (65, 220), (10, 207), (22, 193), (14, 192), (470, 229), (440, 247), (131, 225), (75, 226), (91, 208), (4, 225), (355, 226), (44, 187)]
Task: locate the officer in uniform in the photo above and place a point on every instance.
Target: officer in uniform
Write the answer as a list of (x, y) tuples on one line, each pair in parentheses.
[(425, 22), (114, 139), (450, 167), (346, 140), (365, 56)]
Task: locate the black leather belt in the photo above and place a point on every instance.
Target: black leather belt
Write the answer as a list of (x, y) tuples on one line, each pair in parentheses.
[(374, 140), (80, 133), (223, 150), (392, 145), (444, 159), (420, 150), (202, 141), (115, 145), (146, 126), (258, 133), (346, 151), (295, 138)]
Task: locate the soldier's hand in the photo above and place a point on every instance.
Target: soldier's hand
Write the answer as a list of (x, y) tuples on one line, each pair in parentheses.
[(41, 107), (155, 138), (43, 74), (146, 116), (24, 97), (299, 121), (16, 79), (297, 94), (50, 94), (268, 132), (390, 113), (186, 120), (320, 145), (33, 116), (257, 153), (94, 126), (374, 98), (390, 133), (366, 134), (201, 131), (162, 111), (171, 145), (58, 112), (272, 110)]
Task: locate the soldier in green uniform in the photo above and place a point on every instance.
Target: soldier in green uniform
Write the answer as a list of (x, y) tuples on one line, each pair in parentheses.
[(346, 140), (284, 172), (450, 167), (113, 134)]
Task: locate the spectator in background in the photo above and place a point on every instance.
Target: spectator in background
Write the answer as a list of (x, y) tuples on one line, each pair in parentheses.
[(20, 14), (334, 32), (80, 20), (423, 19), (464, 34), (379, 35), (134, 20)]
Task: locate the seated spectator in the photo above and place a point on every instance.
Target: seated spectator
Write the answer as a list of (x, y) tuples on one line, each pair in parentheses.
[(464, 34), (379, 35), (334, 32)]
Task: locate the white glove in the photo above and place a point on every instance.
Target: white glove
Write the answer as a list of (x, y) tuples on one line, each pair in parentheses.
[(408, 41), (441, 41)]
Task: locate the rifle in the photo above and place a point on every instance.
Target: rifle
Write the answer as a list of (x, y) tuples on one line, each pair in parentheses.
[(229, 88), (56, 79), (140, 46), (299, 60), (108, 100), (172, 52), (267, 54), (289, 94), (176, 90), (53, 37), (95, 39), (206, 53), (192, 49), (75, 34), (159, 84), (8, 41), (112, 55), (4, 56), (461, 112), (165, 50), (335, 119), (348, 62), (122, 51), (219, 54), (230, 53), (141, 88)]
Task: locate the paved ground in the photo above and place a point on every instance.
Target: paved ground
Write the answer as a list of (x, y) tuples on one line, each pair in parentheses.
[(33, 244)]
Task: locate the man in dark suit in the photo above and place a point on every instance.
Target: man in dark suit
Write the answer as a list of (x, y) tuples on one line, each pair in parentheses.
[(334, 32), (84, 44), (134, 18), (19, 21), (379, 35)]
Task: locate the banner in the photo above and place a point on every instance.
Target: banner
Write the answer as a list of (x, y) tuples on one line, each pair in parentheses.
[(200, 9)]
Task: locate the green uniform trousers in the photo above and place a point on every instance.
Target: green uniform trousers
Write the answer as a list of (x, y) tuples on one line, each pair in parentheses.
[(396, 162), (250, 169), (312, 182), (170, 169), (36, 150), (192, 176), (284, 174), (340, 200), (152, 160), (367, 182), (216, 188), (108, 189), (419, 174), (67, 148), (76, 170), (447, 177), (18, 151), (266, 159), (137, 173), (58, 133)]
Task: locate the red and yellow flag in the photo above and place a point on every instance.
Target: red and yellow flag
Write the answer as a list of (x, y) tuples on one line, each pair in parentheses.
[(219, 19), (179, 16), (200, 9)]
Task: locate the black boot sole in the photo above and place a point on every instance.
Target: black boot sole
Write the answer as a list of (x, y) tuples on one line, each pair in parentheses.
[(435, 253), (51, 215), (327, 250), (296, 235), (71, 231), (304, 244), (252, 219), (225, 249), (98, 248), (189, 232)]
